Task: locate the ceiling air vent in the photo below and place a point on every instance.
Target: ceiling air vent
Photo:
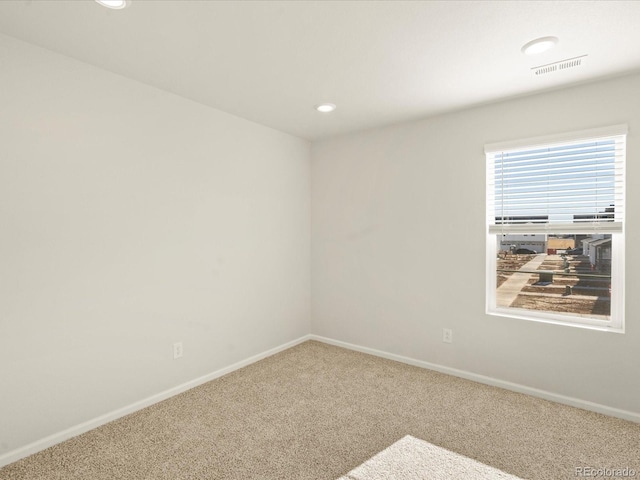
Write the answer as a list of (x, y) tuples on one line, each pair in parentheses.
[(561, 65)]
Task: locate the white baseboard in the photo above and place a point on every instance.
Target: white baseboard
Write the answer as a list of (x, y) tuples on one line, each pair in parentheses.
[(534, 392), (76, 430)]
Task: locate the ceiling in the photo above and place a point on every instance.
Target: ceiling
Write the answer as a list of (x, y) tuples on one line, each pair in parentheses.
[(380, 62)]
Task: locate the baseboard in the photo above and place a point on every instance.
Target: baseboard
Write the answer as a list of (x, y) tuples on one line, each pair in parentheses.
[(76, 430), (534, 392)]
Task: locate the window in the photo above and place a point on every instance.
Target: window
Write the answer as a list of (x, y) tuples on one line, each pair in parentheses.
[(555, 228)]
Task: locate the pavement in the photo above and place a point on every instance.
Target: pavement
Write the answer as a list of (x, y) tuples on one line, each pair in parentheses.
[(509, 290)]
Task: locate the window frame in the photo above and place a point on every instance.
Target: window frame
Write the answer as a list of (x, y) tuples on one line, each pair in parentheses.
[(616, 323)]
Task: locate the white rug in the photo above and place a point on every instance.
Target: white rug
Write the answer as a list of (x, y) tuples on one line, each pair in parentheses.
[(414, 459)]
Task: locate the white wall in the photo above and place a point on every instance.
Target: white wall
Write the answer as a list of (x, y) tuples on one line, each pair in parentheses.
[(398, 247), (131, 219)]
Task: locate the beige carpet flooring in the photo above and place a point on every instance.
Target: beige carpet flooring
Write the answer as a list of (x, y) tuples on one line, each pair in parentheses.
[(317, 412)]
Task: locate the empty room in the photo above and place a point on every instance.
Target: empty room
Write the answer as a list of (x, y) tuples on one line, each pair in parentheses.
[(323, 240)]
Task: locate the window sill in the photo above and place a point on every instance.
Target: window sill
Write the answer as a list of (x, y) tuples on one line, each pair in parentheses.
[(576, 321)]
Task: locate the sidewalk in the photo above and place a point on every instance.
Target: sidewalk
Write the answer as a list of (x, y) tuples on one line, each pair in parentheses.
[(509, 290)]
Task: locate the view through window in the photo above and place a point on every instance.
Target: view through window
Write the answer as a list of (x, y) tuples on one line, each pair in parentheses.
[(555, 242)]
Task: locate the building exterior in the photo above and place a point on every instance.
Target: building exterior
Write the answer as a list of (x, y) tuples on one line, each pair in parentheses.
[(531, 241), (560, 244), (598, 249), (535, 241)]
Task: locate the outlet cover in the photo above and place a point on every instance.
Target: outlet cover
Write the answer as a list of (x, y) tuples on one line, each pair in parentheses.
[(177, 350), (447, 335)]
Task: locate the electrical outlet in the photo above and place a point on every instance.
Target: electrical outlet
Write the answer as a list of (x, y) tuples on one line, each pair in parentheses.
[(177, 350), (447, 335)]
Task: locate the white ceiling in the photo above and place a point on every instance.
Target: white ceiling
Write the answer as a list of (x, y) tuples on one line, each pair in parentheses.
[(380, 62)]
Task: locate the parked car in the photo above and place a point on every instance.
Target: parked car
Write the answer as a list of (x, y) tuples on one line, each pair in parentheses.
[(575, 251), (525, 251)]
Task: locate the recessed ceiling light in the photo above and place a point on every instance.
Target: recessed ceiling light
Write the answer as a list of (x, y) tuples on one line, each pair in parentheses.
[(326, 107), (539, 45), (114, 4)]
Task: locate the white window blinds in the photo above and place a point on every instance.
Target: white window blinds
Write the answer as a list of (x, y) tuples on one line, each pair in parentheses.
[(564, 186)]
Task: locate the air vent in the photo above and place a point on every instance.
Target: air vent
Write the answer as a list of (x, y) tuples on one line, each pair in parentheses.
[(561, 65)]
